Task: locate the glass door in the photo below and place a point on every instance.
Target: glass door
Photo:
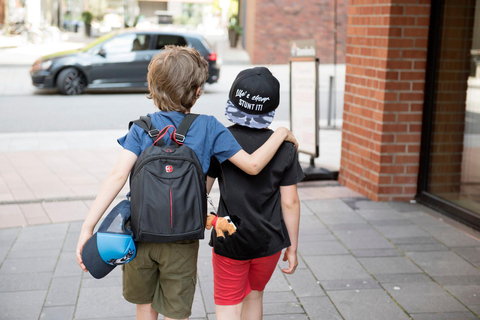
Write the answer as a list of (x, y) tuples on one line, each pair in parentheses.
[(449, 177)]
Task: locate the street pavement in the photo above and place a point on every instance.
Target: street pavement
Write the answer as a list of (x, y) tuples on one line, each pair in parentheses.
[(358, 259)]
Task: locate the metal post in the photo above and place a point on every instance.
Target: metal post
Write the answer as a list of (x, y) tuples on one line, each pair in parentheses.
[(330, 99), (334, 97)]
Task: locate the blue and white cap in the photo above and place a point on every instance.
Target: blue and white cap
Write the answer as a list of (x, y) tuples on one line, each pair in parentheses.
[(253, 98), (112, 244)]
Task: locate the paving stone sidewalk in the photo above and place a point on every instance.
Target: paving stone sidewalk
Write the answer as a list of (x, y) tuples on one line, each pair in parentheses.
[(358, 260)]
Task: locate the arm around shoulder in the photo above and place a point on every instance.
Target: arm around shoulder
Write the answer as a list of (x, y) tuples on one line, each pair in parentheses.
[(254, 163)]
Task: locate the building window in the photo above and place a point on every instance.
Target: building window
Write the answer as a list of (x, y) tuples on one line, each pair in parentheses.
[(450, 173)]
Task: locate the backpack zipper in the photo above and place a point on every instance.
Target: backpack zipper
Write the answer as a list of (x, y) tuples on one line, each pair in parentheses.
[(171, 205), (144, 162)]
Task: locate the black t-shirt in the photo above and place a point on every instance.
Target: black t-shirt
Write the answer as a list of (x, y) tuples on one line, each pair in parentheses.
[(253, 202)]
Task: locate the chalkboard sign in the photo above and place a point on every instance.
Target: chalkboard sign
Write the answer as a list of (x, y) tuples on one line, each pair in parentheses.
[(304, 103)]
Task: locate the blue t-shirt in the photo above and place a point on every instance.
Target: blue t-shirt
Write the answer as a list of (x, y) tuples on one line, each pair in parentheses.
[(206, 136)]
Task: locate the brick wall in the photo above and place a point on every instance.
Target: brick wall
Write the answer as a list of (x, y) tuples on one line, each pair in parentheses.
[(384, 91), (281, 21)]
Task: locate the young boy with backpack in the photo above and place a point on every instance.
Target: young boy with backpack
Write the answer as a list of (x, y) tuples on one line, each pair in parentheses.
[(162, 276), (264, 208)]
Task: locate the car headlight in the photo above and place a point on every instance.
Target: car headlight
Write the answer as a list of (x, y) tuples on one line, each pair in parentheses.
[(42, 65)]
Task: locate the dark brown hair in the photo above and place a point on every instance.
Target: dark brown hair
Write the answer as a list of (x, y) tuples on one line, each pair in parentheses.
[(174, 75)]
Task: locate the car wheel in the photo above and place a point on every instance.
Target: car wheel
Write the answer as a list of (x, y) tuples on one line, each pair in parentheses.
[(71, 81)]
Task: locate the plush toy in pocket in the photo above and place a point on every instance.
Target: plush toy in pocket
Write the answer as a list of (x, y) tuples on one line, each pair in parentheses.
[(221, 225)]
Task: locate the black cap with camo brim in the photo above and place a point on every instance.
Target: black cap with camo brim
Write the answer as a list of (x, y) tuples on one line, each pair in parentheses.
[(256, 121), (253, 98)]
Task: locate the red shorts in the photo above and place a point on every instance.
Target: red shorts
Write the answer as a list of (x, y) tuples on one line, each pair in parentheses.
[(233, 279)]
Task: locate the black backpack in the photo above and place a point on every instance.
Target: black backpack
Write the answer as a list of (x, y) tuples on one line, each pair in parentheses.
[(167, 187)]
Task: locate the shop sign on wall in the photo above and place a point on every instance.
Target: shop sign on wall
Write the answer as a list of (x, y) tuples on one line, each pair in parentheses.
[(303, 48)]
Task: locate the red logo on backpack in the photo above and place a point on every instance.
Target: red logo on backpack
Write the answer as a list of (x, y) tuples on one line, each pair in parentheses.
[(168, 169)]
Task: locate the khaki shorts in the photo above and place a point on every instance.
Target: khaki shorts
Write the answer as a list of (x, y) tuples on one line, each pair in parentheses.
[(165, 275)]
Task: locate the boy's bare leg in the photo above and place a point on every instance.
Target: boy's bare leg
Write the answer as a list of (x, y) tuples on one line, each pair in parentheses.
[(253, 306), (229, 312), (146, 312)]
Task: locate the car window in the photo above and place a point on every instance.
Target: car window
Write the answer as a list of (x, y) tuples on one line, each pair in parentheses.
[(141, 42), (206, 43), (199, 46), (127, 43), (164, 40)]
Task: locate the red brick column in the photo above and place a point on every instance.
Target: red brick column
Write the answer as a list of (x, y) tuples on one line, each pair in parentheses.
[(384, 91)]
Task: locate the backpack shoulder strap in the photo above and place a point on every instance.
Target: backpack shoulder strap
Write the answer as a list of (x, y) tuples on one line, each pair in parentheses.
[(145, 122), (183, 127)]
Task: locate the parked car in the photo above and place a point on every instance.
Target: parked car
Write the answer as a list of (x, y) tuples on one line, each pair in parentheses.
[(117, 60)]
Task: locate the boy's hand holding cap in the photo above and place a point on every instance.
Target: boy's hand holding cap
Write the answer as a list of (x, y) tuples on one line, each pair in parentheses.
[(112, 244)]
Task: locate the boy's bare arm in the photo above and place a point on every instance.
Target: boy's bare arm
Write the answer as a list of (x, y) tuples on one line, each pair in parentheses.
[(109, 190), (291, 215), (254, 163)]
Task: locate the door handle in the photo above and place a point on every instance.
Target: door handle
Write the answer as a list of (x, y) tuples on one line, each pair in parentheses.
[(147, 57)]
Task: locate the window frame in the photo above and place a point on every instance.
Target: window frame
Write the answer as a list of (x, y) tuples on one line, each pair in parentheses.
[(446, 207)]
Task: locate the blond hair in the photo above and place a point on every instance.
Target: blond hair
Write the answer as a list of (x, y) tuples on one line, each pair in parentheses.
[(174, 75)]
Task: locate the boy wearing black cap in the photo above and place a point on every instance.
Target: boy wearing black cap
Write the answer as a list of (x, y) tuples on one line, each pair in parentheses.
[(162, 277), (265, 208)]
